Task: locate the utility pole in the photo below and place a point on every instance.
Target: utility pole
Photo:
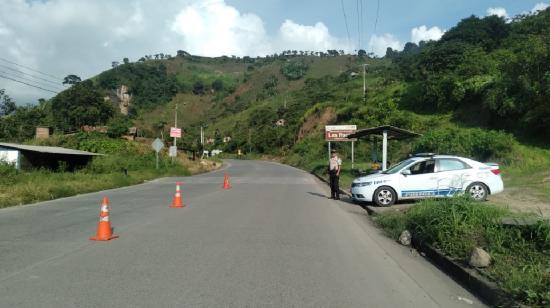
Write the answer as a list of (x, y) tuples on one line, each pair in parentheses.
[(249, 144), (364, 82), (176, 126), (202, 137)]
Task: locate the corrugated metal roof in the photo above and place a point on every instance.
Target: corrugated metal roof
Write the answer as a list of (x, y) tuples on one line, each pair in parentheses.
[(393, 132), (44, 149)]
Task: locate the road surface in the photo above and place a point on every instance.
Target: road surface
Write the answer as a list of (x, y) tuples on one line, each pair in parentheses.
[(273, 240)]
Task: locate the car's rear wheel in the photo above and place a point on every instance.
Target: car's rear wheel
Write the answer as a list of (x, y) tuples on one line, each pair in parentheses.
[(384, 196), (477, 191)]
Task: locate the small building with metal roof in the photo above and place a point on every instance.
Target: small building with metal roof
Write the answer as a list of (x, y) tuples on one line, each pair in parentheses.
[(24, 156)]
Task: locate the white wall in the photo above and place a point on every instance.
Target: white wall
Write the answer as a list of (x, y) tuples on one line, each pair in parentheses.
[(10, 156)]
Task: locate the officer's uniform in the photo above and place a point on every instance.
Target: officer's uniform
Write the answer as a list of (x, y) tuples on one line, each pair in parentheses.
[(334, 164)]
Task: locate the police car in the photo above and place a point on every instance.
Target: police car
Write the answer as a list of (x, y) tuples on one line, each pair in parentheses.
[(427, 176)]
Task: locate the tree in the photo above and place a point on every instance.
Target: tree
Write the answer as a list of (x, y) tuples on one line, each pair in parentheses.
[(361, 53), (217, 85), (125, 61), (7, 105), (488, 32), (81, 105), (71, 79), (390, 53), (198, 88), (118, 126), (160, 126), (411, 48), (183, 53), (294, 70)]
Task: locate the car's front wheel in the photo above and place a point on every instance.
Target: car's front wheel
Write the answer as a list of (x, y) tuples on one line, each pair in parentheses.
[(384, 196), (477, 191)]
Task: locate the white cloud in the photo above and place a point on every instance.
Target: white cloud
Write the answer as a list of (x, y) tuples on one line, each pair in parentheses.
[(293, 36), (213, 28), (539, 7), (380, 43), (498, 11), (424, 33), (64, 37)]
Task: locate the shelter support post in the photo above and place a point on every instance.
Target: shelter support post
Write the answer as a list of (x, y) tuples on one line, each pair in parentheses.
[(352, 155), (384, 149)]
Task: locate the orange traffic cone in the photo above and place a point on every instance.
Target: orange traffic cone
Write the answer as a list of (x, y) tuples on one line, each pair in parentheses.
[(104, 230), (226, 183), (177, 201)]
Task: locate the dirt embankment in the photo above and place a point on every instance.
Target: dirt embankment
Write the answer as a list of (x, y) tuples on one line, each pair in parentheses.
[(521, 199), (317, 120)]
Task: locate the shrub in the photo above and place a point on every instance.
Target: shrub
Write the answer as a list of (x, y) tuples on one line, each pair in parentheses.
[(294, 70), (8, 173), (456, 225), (100, 143), (217, 85), (118, 126), (470, 142)]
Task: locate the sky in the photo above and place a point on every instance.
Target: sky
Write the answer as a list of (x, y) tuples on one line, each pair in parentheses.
[(42, 41)]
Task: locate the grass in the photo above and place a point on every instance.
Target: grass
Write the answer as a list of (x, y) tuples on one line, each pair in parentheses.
[(529, 168), (520, 253), (103, 172), (40, 185)]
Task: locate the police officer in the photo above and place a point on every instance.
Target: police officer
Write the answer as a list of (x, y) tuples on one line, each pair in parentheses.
[(334, 167)]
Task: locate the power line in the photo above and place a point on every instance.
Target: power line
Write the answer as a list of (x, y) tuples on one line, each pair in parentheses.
[(377, 13), (30, 85), (358, 24), (31, 69), (362, 22), (33, 76), (345, 20), (30, 80)]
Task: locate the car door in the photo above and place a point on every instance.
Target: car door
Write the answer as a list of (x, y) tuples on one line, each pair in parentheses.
[(452, 176), (421, 182)]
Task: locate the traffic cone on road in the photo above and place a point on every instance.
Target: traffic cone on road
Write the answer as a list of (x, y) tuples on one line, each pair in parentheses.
[(226, 183), (177, 201), (104, 230)]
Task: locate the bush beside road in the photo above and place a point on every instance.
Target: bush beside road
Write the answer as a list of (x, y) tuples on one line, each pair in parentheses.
[(520, 253), (125, 163)]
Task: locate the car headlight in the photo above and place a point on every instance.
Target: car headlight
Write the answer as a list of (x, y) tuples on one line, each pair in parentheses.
[(361, 184)]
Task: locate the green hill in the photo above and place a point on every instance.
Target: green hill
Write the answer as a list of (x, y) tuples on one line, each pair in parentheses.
[(482, 90)]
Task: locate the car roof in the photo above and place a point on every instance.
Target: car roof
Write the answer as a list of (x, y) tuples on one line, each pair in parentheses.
[(437, 156)]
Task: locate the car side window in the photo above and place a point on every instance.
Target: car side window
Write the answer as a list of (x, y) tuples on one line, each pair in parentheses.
[(449, 164), (423, 167)]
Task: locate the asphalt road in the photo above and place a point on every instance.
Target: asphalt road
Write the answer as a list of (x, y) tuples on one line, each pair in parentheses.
[(273, 240)]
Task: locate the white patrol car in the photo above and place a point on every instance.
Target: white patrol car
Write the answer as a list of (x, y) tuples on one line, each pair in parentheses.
[(426, 176)]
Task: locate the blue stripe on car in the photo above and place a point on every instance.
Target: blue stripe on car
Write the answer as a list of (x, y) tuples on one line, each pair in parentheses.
[(430, 192)]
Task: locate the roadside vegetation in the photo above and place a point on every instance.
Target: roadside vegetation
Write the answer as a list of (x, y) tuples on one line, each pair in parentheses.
[(124, 163), (520, 253), (481, 91)]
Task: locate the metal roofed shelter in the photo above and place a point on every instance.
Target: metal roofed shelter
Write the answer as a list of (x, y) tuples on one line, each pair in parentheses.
[(32, 156), (386, 132)]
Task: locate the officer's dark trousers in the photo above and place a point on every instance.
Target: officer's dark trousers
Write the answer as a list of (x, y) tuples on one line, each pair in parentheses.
[(334, 185)]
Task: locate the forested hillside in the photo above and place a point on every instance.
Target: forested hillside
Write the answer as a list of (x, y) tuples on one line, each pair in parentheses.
[(481, 87)]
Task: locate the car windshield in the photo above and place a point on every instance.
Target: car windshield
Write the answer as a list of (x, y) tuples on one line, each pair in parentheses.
[(399, 166)]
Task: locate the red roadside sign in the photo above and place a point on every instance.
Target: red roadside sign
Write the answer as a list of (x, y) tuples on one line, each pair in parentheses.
[(339, 132), (175, 132)]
